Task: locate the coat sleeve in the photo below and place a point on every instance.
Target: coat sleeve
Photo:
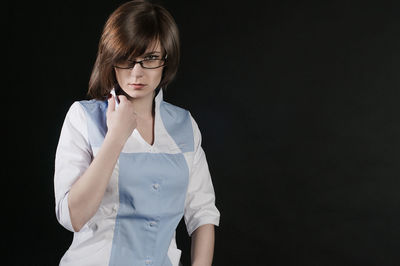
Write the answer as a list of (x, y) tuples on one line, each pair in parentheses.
[(73, 157), (200, 206)]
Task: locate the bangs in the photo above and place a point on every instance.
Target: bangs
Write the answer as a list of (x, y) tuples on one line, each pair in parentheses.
[(137, 38)]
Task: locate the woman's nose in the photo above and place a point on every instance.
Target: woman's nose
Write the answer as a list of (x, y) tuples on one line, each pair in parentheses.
[(137, 70)]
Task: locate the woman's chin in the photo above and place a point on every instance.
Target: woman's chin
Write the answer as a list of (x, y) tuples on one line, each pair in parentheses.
[(137, 93)]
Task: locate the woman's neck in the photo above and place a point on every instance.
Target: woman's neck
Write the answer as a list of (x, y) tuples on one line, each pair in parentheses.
[(144, 107)]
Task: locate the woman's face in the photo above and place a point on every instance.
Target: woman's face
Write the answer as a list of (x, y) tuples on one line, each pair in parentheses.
[(139, 82)]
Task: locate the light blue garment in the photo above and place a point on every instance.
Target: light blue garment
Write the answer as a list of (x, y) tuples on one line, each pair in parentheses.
[(152, 189)]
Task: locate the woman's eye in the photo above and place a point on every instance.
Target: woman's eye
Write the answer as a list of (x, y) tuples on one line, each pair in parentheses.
[(151, 57)]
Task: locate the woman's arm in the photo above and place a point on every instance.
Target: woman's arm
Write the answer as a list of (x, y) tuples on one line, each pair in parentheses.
[(200, 206), (202, 249), (87, 192)]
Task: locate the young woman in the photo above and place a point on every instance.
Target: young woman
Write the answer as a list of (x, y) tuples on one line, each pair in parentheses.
[(129, 167)]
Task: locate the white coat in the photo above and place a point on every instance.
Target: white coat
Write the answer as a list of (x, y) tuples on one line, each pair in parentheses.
[(151, 188)]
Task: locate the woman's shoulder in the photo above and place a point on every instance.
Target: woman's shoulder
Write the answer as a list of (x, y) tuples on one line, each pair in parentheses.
[(172, 107), (175, 114), (81, 109), (180, 119), (75, 111), (93, 104)]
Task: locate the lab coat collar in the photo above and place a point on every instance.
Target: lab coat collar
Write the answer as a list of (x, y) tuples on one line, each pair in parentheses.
[(159, 98)]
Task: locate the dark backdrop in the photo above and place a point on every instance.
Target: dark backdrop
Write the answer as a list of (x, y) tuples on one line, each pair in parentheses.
[(298, 107)]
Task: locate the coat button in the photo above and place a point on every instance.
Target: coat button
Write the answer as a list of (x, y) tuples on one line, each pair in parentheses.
[(153, 223), (93, 226)]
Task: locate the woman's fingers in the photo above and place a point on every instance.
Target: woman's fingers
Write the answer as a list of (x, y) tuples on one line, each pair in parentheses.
[(122, 98), (128, 105), (122, 120)]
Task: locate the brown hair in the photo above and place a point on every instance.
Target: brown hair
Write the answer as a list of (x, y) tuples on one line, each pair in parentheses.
[(128, 32)]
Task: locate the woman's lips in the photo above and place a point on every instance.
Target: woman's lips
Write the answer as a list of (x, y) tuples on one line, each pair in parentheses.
[(136, 86)]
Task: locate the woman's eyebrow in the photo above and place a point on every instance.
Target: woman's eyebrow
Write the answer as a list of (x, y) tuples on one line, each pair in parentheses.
[(152, 52)]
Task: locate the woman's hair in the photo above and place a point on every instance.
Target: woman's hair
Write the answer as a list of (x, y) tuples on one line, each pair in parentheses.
[(129, 31)]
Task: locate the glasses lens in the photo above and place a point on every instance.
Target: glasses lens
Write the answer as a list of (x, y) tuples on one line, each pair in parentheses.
[(147, 63), (124, 64), (152, 63)]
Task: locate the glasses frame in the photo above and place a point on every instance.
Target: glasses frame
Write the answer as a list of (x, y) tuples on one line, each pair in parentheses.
[(140, 62)]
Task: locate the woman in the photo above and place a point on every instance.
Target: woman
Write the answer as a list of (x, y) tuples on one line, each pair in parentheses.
[(125, 175)]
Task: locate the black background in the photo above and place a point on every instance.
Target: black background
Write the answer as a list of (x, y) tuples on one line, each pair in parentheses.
[(298, 108)]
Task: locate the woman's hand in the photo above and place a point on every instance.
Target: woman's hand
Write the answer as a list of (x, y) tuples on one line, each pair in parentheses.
[(121, 122), (87, 192)]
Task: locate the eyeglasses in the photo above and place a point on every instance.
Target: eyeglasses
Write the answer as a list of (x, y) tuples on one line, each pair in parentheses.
[(150, 62)]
